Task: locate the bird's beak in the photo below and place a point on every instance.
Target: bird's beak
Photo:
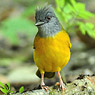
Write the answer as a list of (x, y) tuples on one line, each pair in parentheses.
[(39, 23)]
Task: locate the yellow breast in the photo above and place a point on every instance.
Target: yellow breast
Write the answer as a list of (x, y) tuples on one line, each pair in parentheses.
[(52, 53)]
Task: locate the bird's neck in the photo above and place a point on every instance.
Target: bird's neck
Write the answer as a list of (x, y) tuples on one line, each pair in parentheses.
[(47, 31)]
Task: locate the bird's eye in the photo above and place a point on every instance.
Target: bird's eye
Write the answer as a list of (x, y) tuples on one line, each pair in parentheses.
[(48, 17)]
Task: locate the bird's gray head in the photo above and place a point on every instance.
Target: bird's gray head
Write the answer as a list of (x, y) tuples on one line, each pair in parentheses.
[(47, 22)]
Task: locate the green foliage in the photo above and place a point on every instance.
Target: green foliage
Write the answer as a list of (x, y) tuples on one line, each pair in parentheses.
[(12, 27), (87, 28), (72, 13), (52, 92), (21, 89), (29, 11), (6, 89)]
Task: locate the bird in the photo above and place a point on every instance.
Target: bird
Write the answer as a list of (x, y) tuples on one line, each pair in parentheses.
[(51, 45)]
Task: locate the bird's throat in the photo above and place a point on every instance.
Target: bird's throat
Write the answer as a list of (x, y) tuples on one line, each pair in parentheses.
[(48, 31)]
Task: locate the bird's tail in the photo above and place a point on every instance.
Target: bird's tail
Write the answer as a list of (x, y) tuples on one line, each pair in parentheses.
[(46, 75)]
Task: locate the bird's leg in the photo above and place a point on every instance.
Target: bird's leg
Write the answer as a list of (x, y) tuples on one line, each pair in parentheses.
[(61, 82), (43, 84)]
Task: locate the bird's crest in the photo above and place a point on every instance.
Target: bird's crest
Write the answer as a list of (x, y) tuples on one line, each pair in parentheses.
[(43, 9)]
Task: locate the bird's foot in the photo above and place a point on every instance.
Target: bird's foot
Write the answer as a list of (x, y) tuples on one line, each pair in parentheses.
[(61, 85), (45, 87)]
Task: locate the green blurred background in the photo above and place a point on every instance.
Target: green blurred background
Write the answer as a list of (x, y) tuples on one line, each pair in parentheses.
[(17, 32)]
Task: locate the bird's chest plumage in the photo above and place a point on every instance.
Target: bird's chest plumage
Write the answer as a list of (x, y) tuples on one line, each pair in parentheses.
[(52, 53)]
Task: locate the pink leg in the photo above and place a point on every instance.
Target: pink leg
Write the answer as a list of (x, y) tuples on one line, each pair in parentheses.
[(61, 82), (43, 84)]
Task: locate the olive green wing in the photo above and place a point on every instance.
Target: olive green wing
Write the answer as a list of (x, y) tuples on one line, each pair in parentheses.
[(46, 75)]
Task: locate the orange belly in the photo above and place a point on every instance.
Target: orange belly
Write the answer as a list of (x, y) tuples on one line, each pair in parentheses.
[(52, 53)]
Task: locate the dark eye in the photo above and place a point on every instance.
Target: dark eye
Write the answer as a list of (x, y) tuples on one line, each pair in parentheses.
[(48, 17)]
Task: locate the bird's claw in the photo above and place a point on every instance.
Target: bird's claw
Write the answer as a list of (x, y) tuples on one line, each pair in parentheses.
[(45, 87), (61, 85)]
